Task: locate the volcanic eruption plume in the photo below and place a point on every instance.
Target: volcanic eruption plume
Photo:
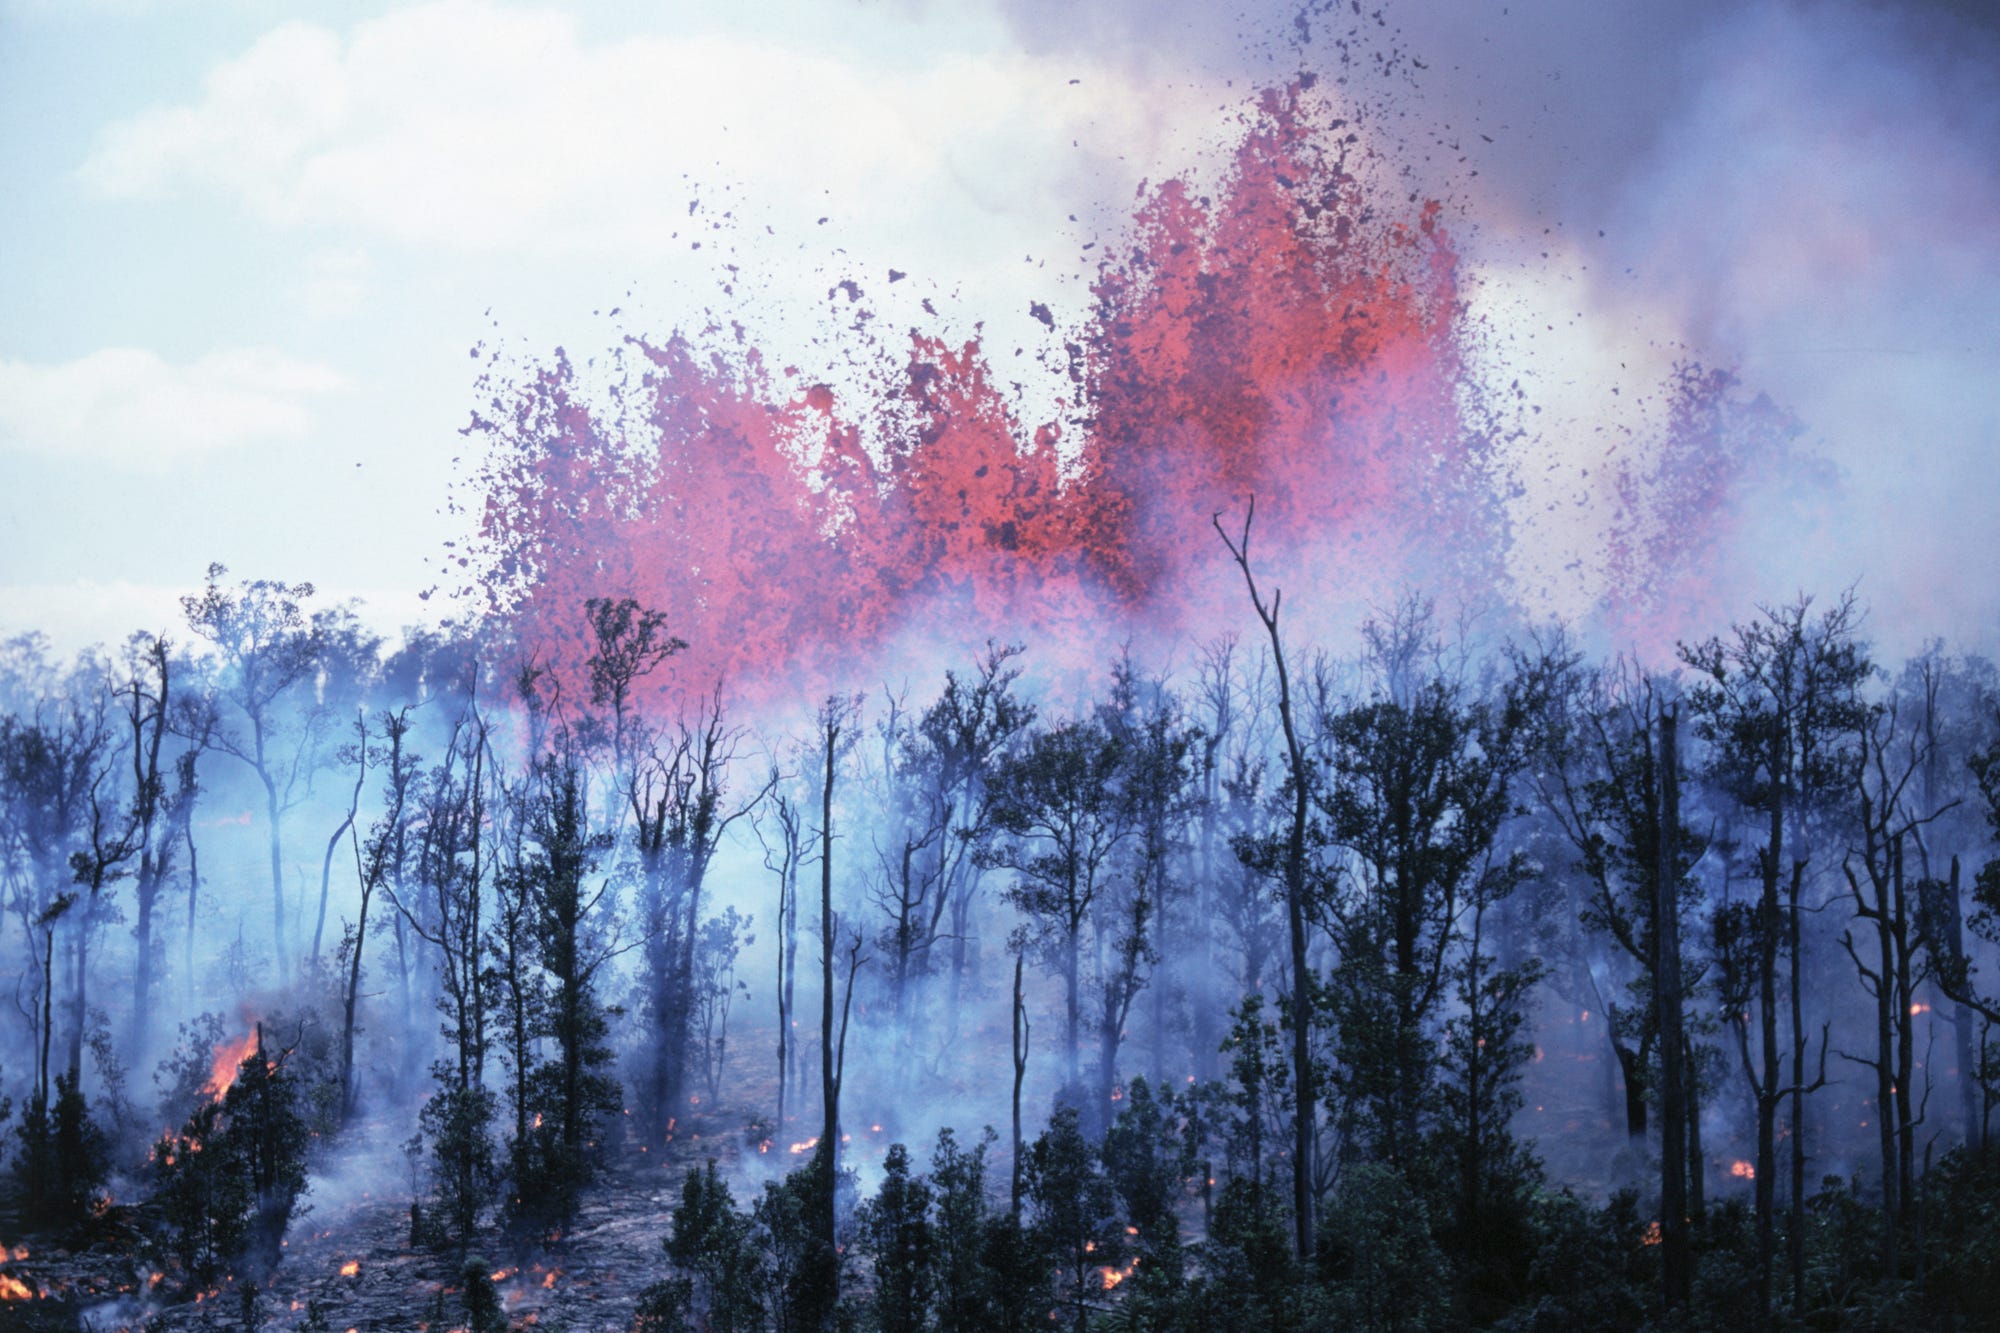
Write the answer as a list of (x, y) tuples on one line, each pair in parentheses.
[(1296, 333)]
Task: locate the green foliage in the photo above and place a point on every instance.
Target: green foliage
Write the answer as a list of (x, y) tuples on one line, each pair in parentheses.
[(1146, 1164), (1075, 1217), (456, 1122), (483, 1310), (1247, 1274), (63, 1157), (1387, 1273), (1961, 1204), (1259, 1090), (1577, 1272), (897, 1233), (555, 1156), (228, 1183), (805, 1273), (962, 1234), (1016, 1260)]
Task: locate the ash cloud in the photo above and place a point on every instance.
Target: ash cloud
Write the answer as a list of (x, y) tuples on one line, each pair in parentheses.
[(1801, 194)]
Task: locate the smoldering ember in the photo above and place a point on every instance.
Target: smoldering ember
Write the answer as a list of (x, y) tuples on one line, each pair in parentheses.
[(1263, 809)]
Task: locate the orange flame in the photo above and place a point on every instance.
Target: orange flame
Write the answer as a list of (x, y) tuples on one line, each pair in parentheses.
[(805, 1147), (1113, 1276), (351, 1268), (13, 1289), (228, 1059), (1743, 1170)]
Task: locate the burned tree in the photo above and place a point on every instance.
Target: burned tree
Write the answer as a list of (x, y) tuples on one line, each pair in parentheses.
[(450, 874), (678, 803), (784, 852), (1300, 784), (379, 864), (163, 796)]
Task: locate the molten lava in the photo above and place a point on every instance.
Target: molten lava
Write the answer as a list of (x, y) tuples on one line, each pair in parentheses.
[(1289, 334)]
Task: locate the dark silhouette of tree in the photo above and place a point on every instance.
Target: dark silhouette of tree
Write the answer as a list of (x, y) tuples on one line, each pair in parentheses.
[(898, 1236), (1418, 786), (573, 938), (1300, 779), (1779, 702), (1890, 755), (1075, 1219)]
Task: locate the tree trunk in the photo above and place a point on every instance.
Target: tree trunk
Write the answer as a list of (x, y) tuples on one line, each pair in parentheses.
[(277, 880), (1676, 1266), (1020, 1073), (829, 1142), (194, 893), (1796, 1237), (144, 893)]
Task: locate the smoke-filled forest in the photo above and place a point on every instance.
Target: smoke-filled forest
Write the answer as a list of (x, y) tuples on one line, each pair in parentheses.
[(861, 844)]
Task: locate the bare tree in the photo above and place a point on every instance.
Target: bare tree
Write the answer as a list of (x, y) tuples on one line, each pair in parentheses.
[(1299, 777), (267, 646)]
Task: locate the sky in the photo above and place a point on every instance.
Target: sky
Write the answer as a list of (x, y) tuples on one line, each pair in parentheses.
[(251, 248)]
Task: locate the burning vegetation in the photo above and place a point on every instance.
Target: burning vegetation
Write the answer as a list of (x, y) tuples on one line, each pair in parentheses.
[(1419, 972)]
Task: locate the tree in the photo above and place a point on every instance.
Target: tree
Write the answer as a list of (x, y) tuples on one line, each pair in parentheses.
[(161, 808), (378, 863), (784, 851), (1889, 757), (676, 800), (1075, 1219), (1779, 702), (55, 760), (1491, 1174), (444, 907), (961, 1232), (1418, 787), (1609, 775), (973, 724), (1059, 805), (573, 942), (1300, 780), (724, 1274), (63, 1156), (266, 646), (836, 719), (229, 1180), (1158, 787), (1147, 1166), (897, 1234)]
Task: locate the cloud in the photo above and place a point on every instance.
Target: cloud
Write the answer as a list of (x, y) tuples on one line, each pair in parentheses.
[(488, 127), (334, 282), (129, 406)]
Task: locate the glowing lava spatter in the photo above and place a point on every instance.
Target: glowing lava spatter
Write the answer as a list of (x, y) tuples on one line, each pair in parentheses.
[(1292, 335)]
